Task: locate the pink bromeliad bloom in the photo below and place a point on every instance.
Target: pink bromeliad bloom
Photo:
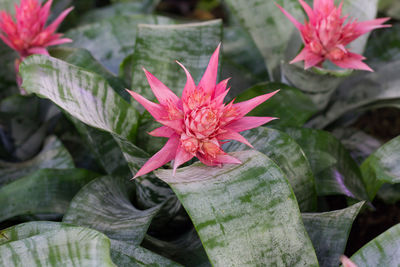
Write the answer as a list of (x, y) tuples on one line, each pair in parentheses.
[(327, 33), (197, 123), (28, 34)]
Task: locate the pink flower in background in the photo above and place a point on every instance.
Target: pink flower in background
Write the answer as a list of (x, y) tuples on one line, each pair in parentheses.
[(327, 33), (197, 123), (28, 34)]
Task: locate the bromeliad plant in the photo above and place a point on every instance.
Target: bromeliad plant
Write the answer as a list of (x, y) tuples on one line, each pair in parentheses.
[(197, 124), (258, 196)]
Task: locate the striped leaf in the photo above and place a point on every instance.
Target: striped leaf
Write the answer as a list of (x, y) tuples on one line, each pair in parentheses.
[(329, 232), (245, 215), (381, 251), (52, 156), (105, 205), (288, 155), (382, 167), (269, 28), (111, 40), (158, 46), (290, 105), (46, 191), (334, 169), (53, 244), (124, 254)]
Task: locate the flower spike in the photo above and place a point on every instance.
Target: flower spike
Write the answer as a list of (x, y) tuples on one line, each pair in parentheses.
[(197, 124), (28, 34), (327, 33)]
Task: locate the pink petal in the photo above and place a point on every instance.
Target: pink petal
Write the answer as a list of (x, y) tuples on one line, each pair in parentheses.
[(221, 87), (59, 41), (297, 24), (232, 135), (156, 110), (181, 157), (300, 57), (38, 50), (53, 26), (190, 85), (166, 154), (218, 160), (347, 262), (352, 61), (247, 123), (308, 10), (366, 26), (163, 94), (209, 79), (45, 12), (174, 124), (8, 42), (245, 107), (163, 131)]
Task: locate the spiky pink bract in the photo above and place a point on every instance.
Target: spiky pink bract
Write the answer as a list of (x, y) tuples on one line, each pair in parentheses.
[(197, 123), (28, 34), (327, 33)]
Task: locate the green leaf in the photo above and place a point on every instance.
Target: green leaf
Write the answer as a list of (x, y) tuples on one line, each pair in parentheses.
[(43, 192), (334, 169), (329, 232), (124, 254), (360, 91), (269, 28), (53, 244), (384, 45), (241, 60), (111, 40), (290, 105), (119, 9), (381, 251), (245, 215), (158, 46), (288, 155), (382, 167), (52, 156), (105, 205)]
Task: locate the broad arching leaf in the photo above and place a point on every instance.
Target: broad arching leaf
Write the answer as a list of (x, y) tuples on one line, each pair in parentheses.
[(113, 39), (381, 251), (46, 191), (288, 155), (383, 166), (245, 215), (53, 244), (52, 156), (105, 205), (159, 46), (290, 105), (335, 171), (329, 232)]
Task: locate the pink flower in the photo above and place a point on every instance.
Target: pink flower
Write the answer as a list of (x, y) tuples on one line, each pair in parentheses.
[(28, 34), (197, 123), (327, 33)]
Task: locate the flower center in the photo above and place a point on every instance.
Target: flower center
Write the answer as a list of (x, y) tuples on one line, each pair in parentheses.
[(336, 54), (202, 122), (190, 144)]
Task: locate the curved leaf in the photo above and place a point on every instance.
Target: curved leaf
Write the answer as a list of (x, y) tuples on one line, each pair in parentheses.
[(290, 105), (105, 205), (334, 169), (53, 244), (288, 155), (52, 156), (381, 251), (329, 232), (111, 40), (382, 167), (158, 46), (245, 215), (124, 254), (45, 191)]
